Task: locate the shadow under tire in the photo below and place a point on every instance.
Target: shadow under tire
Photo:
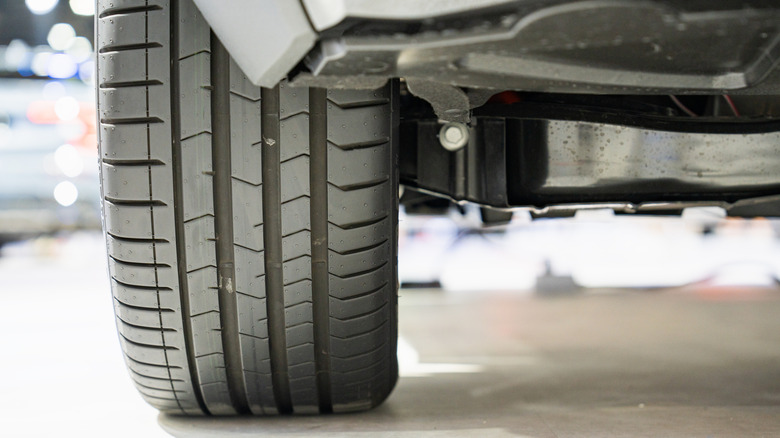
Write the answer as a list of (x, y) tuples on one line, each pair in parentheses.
[(251, 232)]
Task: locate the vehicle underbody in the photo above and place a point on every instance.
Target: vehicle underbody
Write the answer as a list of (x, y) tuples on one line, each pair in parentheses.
[(650, 106)]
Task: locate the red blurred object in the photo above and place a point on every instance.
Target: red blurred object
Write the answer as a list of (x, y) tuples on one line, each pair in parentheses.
[(41, 112), (506, 98)]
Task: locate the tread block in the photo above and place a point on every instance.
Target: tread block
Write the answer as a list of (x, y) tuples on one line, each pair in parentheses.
[(300, 353), (118, 31), (296, 245), (351, 98), (356, 361), (133, 251), (297, 293), (240, 84), (348, 287), (196, 176), (351, 346), (298, 314), (295, 177), (298, 335), (151, 298), (200, 248), (131, 103), (145, 317), (134, 274), (126, 182), (129, 142), (348, 128), (130, 66), (349, 168), (217, 397), (194, 35), (211, 369), (256, 358), (252, 316), (149, 336), (359, 206), (292, 101), (343, 240), (247, 215), (246, 140), (350, 264), (195, 101), (250, 272), (294, 137), (369, 306), (203, 292), (296, 270), (208, 341), (295, 216)]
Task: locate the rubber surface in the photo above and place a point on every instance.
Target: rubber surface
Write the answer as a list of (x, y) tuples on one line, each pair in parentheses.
[(251, 233)]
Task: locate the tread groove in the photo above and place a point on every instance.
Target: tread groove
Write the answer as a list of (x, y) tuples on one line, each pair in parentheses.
[(126, 47), (137, 240), (141, 163), (128, 10), (361, 104), (131, 120), (223, 225), (361, 144), (359, 250), (361, 295), (375, 329), (178, 195), (141, 287), (140, 264), (272, 236), (147, 309), (353, 225), (143, 327), (142, 345), (360, 185), (164, 379), (147, 364), (127, 84), (318, 175), (194, 54), (362, 315), (358, 274), (135, 202)]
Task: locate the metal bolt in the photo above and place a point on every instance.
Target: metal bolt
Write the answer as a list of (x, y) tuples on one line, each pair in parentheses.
[(453, 136)]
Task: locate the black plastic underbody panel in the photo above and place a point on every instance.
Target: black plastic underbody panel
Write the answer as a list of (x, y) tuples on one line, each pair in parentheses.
[(545, 154), (620, 47)]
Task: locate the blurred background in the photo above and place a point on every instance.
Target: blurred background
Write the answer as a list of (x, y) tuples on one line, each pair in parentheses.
[(56, 317)]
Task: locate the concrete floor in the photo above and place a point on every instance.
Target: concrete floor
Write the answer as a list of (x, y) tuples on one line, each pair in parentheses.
[(595, 365), (680, 363)]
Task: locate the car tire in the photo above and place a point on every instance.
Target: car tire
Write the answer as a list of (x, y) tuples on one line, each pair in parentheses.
[(251, 232)]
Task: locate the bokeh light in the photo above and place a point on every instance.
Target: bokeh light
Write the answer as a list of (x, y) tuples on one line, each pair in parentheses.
[(40, 63), (16, 54), (66, 193), (83, 7), (69, 161), (61, 66), (53, 90), (80, 49), (61, 36), (67, 108), (41, 7)]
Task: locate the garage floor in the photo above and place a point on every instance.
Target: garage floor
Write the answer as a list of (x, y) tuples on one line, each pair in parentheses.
[(698, 362), (618, 364)]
